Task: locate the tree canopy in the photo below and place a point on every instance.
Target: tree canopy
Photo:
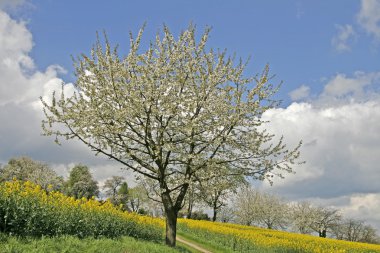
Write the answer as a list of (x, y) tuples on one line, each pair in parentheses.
[(26, 169), (81, 183), (171, 113), (216, 191)]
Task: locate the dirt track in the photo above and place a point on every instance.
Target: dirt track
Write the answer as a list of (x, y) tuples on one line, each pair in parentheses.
[(193, 245)]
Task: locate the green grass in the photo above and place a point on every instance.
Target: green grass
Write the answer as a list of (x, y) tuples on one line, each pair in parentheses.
[(70, 244), (187, 248), (217, 248), (213, 247)]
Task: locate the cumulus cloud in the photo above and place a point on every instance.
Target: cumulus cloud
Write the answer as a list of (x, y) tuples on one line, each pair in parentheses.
[(369, 17), (21, 85), (363, 207), (341, 85), (301, 92), (340, 132), (340, 147), (345, 34)]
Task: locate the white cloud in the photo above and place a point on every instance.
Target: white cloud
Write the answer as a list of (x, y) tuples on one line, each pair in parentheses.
[(369, 17), (341, 89), (364, 207), (344, 36), (15, 42), (340, 132), (360, 206), (339, 145), (21, 85), (341, 85), (301, 92), (20, 82)]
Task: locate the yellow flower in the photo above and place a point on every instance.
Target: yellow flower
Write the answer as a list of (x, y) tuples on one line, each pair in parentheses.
[(247, 236)]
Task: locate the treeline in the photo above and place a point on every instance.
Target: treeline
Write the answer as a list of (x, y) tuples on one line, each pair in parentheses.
[(253, 207), (233, 200), (79, 184)]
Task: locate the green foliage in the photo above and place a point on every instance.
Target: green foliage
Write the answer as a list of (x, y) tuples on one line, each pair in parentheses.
[(70, 244), (112, 186), (123, 190), (123, 196), (196, 215), (142, 211), (81, 183), (117, 191)]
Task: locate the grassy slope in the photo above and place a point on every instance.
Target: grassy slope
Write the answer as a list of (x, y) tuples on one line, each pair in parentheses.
[(204, 244), (215, 248), (187, 247), (69, 244)]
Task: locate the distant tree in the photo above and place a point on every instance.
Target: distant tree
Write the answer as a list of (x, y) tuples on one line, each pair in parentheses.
[(325, 219), (354, 230), (245, 205), (262, 209), (302, 217), (226, 214), (216, 191), (26, 169), (272, 212), (122, 196), (112, 186), (190, 201), (137, 197), (81, 183), (149, 197), (199, 215), (143, 211), (171, 113), (369, 235)]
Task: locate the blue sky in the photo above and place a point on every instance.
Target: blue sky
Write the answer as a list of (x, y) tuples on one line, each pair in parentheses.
[(294, 37), (325, 52)]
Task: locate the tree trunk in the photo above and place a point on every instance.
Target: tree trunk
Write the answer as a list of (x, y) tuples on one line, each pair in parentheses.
[(171, 228), (214, 215), (171, 213), (215, 206), (189, 209), (322, 233)]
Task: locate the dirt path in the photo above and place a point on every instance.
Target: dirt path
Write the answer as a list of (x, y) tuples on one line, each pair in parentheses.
[(192, 245)]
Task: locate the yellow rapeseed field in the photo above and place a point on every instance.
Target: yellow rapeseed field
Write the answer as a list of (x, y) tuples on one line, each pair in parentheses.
[(28, 210), (247, 238)]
